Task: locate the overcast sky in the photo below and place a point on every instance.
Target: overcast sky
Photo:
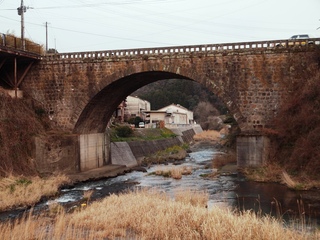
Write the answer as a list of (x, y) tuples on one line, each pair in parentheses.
[(85, 25)]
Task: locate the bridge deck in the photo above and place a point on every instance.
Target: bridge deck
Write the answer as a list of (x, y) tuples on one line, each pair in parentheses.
[(14, 65), (11, 53), (201, 49)]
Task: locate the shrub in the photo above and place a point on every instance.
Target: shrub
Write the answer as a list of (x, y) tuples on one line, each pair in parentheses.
[(124, 131), (135, 121), (167, 133)]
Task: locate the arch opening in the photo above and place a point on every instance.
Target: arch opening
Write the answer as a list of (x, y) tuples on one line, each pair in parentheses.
[(97, 113)]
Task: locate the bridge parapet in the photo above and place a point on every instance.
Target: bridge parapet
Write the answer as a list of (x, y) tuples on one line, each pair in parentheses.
[(12, 44), (201, 49)]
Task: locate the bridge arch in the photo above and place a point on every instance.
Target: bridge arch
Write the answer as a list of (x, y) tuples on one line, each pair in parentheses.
[(98, 111), (252, 79), (80, 91)]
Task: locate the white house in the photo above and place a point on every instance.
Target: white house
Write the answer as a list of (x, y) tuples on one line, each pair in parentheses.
[(132, 107), (173, 114)]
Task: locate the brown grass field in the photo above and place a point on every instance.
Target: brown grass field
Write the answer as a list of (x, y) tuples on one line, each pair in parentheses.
[(23, 191), (150, 214)]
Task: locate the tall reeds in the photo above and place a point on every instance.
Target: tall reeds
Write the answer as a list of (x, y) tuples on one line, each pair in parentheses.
[(149, 214), (22, 191)]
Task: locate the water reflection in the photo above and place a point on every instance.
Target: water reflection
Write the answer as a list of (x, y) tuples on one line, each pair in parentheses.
[(278, 200)]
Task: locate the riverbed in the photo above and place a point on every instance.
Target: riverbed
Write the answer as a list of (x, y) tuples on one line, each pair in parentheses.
[(230, 190), (225, 190)]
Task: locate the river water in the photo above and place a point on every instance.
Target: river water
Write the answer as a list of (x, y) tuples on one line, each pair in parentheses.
[(227, 190)]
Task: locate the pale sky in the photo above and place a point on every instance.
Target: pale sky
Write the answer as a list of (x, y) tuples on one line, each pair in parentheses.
[(92, 25)]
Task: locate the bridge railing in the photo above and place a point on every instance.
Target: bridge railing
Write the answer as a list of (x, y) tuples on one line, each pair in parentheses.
[(208, 48), (11, 41)]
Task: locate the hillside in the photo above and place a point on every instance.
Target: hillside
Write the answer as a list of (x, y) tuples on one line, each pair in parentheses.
[(20, 121), (188, 94), (296, 132)]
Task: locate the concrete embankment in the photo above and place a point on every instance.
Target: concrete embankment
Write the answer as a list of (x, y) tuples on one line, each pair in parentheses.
[(129, 153)]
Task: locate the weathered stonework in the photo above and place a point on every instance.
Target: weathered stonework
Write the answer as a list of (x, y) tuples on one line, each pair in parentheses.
[(80, 91)]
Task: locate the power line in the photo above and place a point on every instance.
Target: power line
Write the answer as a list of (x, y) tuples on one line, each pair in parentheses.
[(91, 34), (86, 5)]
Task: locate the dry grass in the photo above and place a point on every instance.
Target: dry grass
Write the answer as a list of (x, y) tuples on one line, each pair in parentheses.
[(223, 159), (23, 191), (30, 46), (269, 173), (195, 198), (209, 135), (275, 173), (288, 180), (175, 172), (150, 215), (296, 129), (17, 131)]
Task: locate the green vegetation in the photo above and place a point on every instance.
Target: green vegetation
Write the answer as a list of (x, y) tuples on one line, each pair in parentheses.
[(123, 133), (174, 153), (167, 133), (135, 121)]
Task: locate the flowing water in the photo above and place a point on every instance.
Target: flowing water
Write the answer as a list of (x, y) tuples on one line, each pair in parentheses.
[(227, 190)]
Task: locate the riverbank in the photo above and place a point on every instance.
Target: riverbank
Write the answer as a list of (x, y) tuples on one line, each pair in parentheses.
[(24, 191), (271, 172), (57, 212), (10, 187), (151, 215)]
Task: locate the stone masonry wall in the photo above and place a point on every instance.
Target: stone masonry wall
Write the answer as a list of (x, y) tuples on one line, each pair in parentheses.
[(81, 94)]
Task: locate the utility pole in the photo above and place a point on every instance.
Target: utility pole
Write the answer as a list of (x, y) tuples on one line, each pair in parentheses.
[(46, 37), (21, 10)]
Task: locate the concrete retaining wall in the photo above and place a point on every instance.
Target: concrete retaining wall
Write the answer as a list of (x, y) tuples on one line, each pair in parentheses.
[(121, 154), (57, 153), (71, 153), (128, 153), (75, 153)]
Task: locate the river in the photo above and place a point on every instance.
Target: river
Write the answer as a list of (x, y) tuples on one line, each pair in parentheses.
[(226, 190)]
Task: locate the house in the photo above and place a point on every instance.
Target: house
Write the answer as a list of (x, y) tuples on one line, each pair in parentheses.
[(171, 115), (132, 107)]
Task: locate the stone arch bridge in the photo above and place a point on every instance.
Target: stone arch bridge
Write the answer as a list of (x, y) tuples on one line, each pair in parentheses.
[(80, 91)]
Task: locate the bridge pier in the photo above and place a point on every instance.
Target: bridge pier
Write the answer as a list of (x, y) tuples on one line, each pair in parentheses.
[(71, 153), (94, 150), (252, 150)]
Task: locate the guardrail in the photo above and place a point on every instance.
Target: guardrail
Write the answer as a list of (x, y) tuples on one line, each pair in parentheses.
[(11, 42), (208, 48)]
